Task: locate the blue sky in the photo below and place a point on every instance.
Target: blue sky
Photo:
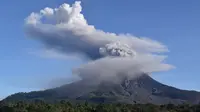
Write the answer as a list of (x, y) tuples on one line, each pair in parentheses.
[(174, 23)]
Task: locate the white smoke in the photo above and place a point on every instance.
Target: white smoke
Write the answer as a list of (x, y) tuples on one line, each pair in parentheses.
[(66, 30)]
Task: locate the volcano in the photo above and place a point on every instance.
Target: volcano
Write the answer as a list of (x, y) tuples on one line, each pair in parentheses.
[(142, 89)]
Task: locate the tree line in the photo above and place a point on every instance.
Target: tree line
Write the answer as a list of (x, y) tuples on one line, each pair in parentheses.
[(65, 106)]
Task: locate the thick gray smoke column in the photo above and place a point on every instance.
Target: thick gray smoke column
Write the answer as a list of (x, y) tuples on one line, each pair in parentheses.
[(65, 29)]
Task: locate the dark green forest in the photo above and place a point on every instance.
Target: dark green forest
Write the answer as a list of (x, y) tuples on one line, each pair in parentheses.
[(64, 106)]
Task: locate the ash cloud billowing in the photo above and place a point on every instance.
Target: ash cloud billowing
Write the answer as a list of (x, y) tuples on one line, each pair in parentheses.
[(65, 30), (117, 49)]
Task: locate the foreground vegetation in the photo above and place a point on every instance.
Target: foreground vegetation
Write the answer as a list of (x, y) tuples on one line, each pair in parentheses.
[(63, 106)]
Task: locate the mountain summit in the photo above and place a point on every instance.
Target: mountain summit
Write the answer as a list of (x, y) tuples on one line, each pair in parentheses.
[(142, 89)]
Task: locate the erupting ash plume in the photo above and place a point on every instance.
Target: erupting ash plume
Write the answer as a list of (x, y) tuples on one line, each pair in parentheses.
[(65, 30), (117, 49)]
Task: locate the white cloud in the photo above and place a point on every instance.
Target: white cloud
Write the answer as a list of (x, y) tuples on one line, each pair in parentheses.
[(109, 67), (65, 30)]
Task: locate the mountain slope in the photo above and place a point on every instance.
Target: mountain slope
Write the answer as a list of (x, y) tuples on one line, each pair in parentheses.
[(143, 89)]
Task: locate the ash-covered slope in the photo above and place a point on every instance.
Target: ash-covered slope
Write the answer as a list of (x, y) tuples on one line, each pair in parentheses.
[(143, 89)]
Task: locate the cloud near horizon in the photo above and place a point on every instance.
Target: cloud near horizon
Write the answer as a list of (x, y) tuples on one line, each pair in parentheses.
[(65, 30)]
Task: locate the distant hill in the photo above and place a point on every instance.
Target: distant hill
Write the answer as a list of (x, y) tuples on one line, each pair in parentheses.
[(143, 89)]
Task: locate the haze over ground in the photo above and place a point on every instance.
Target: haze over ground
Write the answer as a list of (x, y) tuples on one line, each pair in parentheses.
[(26, 67)]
